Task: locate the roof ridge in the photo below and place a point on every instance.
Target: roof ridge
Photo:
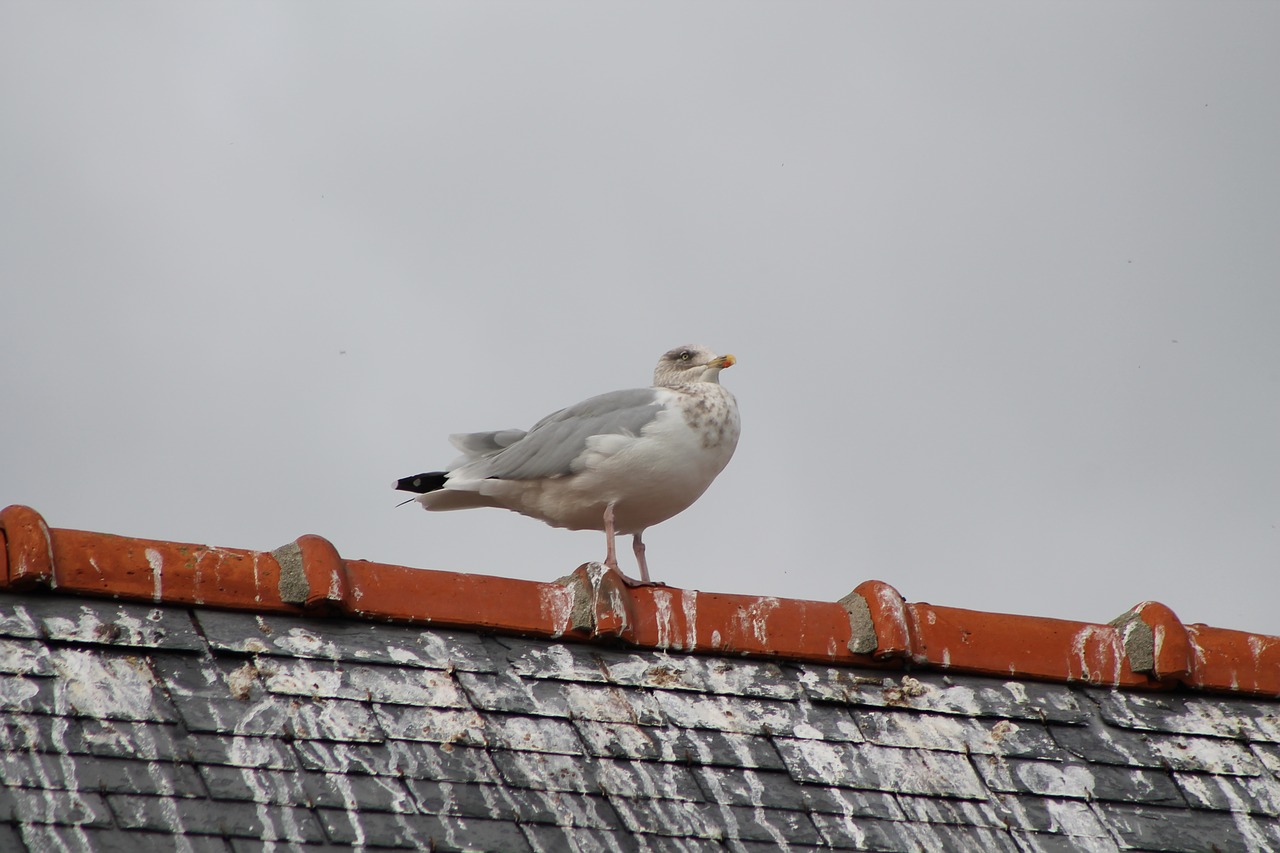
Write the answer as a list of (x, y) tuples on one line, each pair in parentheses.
[(1148, 647)]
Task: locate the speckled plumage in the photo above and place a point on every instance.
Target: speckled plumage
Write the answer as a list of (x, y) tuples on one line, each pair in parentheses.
[(620, 462)]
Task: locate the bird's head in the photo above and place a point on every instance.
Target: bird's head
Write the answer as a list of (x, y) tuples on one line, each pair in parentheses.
[(687, 364)]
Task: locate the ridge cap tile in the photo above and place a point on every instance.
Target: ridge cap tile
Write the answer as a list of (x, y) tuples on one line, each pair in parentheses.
[(310, 576)]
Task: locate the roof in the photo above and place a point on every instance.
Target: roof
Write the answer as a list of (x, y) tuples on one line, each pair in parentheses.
[(232, 701)]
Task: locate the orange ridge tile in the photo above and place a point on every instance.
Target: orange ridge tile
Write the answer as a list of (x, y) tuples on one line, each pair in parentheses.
[(873, 626)]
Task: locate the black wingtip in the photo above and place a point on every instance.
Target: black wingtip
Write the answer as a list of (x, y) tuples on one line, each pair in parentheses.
[(422, 483)]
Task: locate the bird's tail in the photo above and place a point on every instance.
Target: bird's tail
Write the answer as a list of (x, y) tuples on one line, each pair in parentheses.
[(422, 483)]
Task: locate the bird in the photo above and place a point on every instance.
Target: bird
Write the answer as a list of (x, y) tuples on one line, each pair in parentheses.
[(619, 462)]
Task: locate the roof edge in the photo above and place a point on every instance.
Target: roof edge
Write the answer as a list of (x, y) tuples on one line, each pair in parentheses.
[(874, 626)]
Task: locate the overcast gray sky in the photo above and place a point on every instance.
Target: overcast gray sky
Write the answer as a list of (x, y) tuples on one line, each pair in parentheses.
[(1003, 280)]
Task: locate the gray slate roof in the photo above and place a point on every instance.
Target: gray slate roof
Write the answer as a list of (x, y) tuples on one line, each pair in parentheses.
[(132, 728)]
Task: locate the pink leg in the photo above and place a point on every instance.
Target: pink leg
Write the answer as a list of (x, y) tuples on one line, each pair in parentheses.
[(611, 556), (638, 547)]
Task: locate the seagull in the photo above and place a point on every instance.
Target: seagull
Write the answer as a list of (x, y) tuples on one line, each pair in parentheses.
[(620, 462)]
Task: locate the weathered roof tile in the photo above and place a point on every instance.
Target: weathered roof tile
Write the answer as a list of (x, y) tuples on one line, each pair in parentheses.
[(183, 816), (517, 804), (131, 725), (1149, 828), (24, 657), (422, 832), (358, 681), (772, 789), (728, 713), (265, 753), (364, 793), (852, 803), (908, 771), (952, 733), (29, 769), (1102, 782), (44, 805), (116, 624)]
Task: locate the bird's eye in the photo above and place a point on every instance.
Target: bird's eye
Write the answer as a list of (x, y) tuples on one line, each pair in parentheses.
[(686, 355)]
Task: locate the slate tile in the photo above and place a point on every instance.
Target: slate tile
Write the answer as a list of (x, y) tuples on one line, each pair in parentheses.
[(850, 802), (1207, 755), (46, 839), (99, 774), (548, 839), (1042, 815), (963, 839), (753, 679), (445, 762), (858, 833), (907, 771), (333, 719), (740, 845), (900, 728), (621, 740), (562, 661), (16, 618), (152, 741), (616, 778), (729, 749), (679, 818), (560, 839), (361, 682), (505, 692), (727, 713), (665, 671), (1080, 781), (345, 640), (115, 623), (966, 696), (242, 717), (692, 746), (206, 677), (24, 657), (637, 779), (328, 719), (205, 817), (944, 810), (548, 771), (1038, 842), (825, 722), (1228, 793), (605, 703), (780, 827), (252, 785), (515, 804), (1188, 830), (1166, 713), (431, 724), (1268, 756), (737, 787), (40, 805), (1103, 744), (265, 753), (531, 734), (365, 793), (107, 685), (29, 695), (423, 832), (738, 677)]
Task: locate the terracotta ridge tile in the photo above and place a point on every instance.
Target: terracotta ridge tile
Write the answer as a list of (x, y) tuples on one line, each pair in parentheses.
[(873, 626)]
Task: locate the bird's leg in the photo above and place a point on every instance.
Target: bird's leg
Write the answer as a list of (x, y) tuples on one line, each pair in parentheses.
[(637, 545), (610, 556)]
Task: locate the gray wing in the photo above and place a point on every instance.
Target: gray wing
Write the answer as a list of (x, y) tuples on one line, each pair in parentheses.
[(553, 446)]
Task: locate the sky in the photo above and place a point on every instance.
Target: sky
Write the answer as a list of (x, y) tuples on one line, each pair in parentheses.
[(1002, 280)]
